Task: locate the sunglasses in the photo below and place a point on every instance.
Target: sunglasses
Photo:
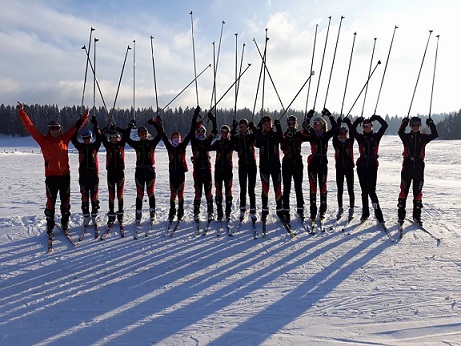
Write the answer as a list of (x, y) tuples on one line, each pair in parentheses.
[(415, 125), (243, 126), (367, 126), (292, 123), (224, 131), (200, 131), (55, 128), (114, 137)]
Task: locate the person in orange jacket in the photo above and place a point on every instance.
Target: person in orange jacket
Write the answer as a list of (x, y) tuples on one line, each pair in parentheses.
[(54, 147)]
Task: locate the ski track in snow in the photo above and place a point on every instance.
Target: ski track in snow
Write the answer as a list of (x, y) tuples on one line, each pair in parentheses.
[(327, 289)]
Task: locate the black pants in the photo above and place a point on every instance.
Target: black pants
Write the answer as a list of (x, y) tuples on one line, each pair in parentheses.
[(266, 173), (293, 171), (368, 175), (412, 171), (247, 181), (145, 177), (223, 179), (317, 174), (349, 175), (115, 185), (57, 185)]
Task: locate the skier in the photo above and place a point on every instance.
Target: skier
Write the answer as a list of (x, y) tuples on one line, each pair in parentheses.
[(268, 141), (317, 162), (88, 172), (115, 166), (292, 166), (414, 144), (145, 166), (244, 141), (202, 164), (367, 163), (224, 148), (54, 147), (177, 169), (344, 164)]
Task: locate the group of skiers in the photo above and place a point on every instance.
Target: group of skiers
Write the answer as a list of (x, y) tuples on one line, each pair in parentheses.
[(242, 137)]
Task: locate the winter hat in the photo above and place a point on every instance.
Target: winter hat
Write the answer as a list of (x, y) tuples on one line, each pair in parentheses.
[(86, 134), (415, 121), (265, 119), (292, 118)]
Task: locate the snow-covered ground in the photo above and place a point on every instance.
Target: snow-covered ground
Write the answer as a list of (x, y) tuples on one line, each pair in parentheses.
[(330, 289)]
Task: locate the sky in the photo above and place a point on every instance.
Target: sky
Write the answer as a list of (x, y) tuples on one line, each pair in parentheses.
[(42, 60)]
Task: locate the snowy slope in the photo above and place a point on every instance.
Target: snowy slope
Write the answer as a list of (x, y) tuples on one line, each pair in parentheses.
[(330, 289)]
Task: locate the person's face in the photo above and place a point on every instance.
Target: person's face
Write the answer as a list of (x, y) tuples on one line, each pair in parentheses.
[(367, 128), (267, 126), (114, 138), (176, 139), (224, 134), (292, 124), (86, 140), (55, 131), (342, 135), (243, 128), (317, 126), (142, 134), (415, 127), (200, 133)]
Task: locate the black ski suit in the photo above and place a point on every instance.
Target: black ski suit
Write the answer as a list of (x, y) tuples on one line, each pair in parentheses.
[(293, 168), (145, 170), (344, 165), (115, 166), (88, 171), (269, 167), (367, 165), (414, 145), (317, 168), (247, 169), (223, 174), (202, 169), (177, 170)]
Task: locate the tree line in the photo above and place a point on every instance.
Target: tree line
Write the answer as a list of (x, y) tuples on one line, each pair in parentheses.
[(178, 119)]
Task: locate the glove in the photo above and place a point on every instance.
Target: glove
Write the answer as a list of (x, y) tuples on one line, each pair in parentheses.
[(158, 120), (79, 123), (277, 123), (19, 106), (405, 122), (306, 124), (151, 121), (211, 116), (339, 121), (112, 128), (235, 124), (310, 114), (94, 121), (132, 124), (326, 112), (360, 120), (197, 111), (429, 122), (347, 121), (374, 117), (251, 125)]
